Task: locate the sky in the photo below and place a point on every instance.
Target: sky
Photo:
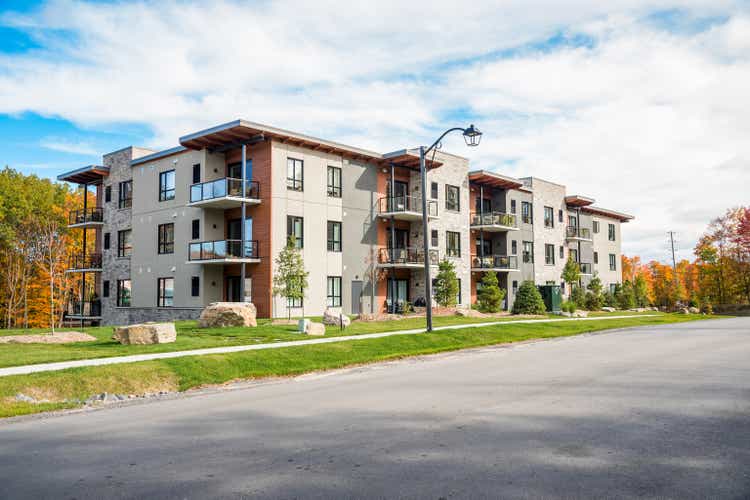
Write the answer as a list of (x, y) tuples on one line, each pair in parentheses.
[(639, 104)]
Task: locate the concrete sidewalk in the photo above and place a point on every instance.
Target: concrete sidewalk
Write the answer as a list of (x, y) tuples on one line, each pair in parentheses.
[(62, 365)]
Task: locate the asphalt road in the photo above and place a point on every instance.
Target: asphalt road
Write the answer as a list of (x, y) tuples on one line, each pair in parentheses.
[(662, 412)]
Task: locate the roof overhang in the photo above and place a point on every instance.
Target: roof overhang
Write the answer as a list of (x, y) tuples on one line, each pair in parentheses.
[(158, 155), (409, 158), (612, 214), (494, 180), (90, 174), (578, 201)]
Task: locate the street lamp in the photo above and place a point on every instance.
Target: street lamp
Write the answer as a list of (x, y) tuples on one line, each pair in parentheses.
[(472, 137)]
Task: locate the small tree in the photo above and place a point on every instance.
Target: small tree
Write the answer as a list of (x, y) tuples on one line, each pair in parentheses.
[(528, 300), (625, 297), (446, 284), (594, 298), (491, 296), (290, 278), (571, 272)]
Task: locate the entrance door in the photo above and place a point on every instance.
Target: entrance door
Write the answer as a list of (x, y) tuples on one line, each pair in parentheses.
[(399, 199), (402, 292), (232, 288), (235, 170), (356, 297)]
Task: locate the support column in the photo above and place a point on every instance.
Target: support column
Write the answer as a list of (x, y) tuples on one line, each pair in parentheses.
[(83, 251), (242, 222), (392, 272)]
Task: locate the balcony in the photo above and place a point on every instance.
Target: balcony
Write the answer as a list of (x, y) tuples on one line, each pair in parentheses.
[(89, 263), (586, 268), (224, 252), (494, 263), (407, 208), (224, 193), (90, 309), (494, 222), (91, 217), (575, 233), (409, 258)]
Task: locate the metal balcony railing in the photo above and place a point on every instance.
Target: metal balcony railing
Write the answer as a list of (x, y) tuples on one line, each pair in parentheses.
[(407, 256), (88, 308), (83, 216), (494, 219), (494, 262), (88, 261), (578, 232), (221, 188), (401, 204), (223, 249)]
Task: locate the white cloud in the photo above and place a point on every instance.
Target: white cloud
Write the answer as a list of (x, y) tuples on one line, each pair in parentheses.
[(640, 121), (65, 146)]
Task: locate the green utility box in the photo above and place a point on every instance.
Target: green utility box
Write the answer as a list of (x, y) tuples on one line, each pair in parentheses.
[(552, 296)]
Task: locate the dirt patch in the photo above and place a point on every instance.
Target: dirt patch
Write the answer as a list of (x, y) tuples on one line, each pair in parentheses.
[(57, 338)]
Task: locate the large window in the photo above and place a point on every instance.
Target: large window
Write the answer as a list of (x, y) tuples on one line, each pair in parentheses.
[(123, 293), (549, 217), (612, 262), (124, 243), (165, 292), (125, 195), (611, 232), (334, 182), (295, 229), (526, 212), (294, 174), (452, 198), (334, 236), (166, 185), (528, 252), (453, 244), (549, 255), (334, 291), (166, 238)]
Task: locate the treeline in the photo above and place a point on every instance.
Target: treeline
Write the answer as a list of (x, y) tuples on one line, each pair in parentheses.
[(35, 246)]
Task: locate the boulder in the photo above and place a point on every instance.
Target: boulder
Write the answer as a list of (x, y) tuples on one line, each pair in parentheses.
[(608, 309), (222, 314), (581, 314), (694, 310), (335, 318), (683, 310), (146, 333), (316, 329)]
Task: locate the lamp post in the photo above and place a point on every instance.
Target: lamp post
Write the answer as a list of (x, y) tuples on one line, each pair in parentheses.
[(472, 136)]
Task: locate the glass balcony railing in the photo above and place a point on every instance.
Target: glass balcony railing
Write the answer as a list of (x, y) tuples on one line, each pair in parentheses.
[(223, 249), (86, 309), (86, 216), (494, 262), (585, 267), (406, 256), (404, 204), (494, 219), (222, 188), (583, 233), (88, 261)]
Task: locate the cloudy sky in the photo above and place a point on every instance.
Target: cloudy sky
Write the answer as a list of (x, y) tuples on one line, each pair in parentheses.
[(642, 105)]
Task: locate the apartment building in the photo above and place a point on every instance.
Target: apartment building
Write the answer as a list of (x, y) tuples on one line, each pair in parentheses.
[(175, 230)]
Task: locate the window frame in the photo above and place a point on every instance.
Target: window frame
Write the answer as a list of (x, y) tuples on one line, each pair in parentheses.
[(196, 173), (123, 201), (195, 229), (299, 241), (613, 262), (333, 174), (162, 299), (448, 204), (332, 299), (525, 253), (165, 192), (333, 244), (595, 226), (549, 217), (513, 206), (434, 238), (120, 287), (107, 193), (107, 240), (451, 251), (434, 190), (293, 183), (164, 246), (549, 256), (105, 288), (527, 218), (124, 250), (195, 286), (596, 257), (514, 247), (611, 232)]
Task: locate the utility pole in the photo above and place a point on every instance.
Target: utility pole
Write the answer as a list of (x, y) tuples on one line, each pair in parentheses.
[(671, 244)]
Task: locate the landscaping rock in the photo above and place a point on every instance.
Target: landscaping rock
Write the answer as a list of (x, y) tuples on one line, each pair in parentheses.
[(683, 310), (24, 398), (56, 338), (608, 309), (316, 329), (335, 318), (581, 314), (694, 310), (146, 333), (466, 312), (223, 314)]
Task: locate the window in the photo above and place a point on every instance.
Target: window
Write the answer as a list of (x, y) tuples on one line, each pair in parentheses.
[(166, 185), (515, 287), (562, 253), (549, 217), (334, 236), (108, 194), (125, 195), (165, 292), (573, 254), (294, 302), (105, 288), (483, 247), (107, 238), (195, 232), (458, 294), (512, 206), (453, 244), (514, 247), (549, 255), (572, 221), (596, 257), (124, 243), (595, 225), (434, 190), (295, 228), (526, 212), (612, 288), (123, 293), (434, 238), (528, 252), (334, 182), (166, 238), (452, 198), (612, 262), (334, 291), (196, 173), (195, 286), (611, 232), (560, 215), (482, 205), (294, 174)]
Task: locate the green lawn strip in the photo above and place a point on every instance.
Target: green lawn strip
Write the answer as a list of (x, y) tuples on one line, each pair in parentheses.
[(60, 387), (189, 336)]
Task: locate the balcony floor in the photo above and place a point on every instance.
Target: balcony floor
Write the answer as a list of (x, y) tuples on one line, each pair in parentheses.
[(495, 269), (88, 224), (578, 238), (406, 215), (403, 265), (85, 270), (493, 228), (224, 203), (225, 261)]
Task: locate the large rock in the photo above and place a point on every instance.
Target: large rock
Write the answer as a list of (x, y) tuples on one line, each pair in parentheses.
[(335, 318), (316, 329), (146, 333), (694, 310), (222, 314), (608, 309)]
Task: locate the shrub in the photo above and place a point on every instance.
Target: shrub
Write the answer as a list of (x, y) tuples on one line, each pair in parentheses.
[(569, 306), (609, 299), (593, 301), (625, 297), (578, 296), (446, 284), (528, 300), (490, 297)]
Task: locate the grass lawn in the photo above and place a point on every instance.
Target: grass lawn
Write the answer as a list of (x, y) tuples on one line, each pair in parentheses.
[(184, 373), (191, 337)]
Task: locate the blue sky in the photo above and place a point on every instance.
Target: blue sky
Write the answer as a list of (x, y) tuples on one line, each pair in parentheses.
[(650, 93)]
